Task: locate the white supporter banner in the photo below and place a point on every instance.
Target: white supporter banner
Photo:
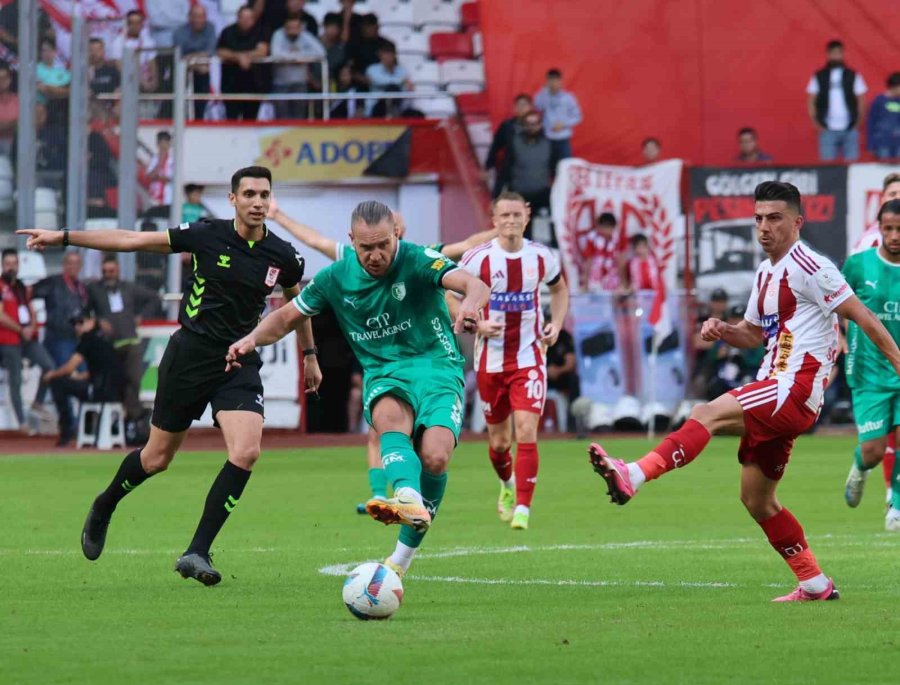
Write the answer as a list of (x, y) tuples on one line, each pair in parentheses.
[(643, 199), (864, 188)]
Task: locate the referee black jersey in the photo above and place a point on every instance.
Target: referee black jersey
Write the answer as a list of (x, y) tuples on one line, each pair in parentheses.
[(231, 277)]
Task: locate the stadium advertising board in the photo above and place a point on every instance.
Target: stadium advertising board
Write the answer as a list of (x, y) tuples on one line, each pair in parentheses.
[(643, 199), (726, 252)]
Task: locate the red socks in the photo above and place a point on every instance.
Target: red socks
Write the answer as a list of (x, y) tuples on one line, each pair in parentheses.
[(786, 535), (676, 450), (890, 457), (526, 472), (502, 463)]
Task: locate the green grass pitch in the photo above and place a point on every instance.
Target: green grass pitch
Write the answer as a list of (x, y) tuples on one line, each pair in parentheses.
[(672, 588)]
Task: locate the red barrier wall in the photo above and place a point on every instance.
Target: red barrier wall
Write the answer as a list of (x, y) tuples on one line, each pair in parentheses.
[(690, 72)]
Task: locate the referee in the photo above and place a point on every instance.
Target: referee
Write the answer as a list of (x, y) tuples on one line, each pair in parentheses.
[(236, 265)]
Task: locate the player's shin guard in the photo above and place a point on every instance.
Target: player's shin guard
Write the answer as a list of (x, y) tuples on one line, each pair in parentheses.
[(433, 488), (378, 482), (127, 478), (223, 497), (526, 472), (676, 450), (401, 463), (502, 463), (786, 535)]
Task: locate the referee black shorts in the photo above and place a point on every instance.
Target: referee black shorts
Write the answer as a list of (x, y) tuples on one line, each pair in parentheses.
[(192, 375)]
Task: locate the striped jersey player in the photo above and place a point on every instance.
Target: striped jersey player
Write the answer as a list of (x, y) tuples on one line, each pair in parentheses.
[(793, 308), (510, 345)]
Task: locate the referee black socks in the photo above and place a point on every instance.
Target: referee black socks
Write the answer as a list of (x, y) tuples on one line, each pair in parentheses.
[(223, 497), (127, 478)]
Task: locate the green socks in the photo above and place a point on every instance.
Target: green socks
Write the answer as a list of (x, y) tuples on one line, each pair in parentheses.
[(433, 488), (402, 468), (858, 460), (895, 485), (378, 482)]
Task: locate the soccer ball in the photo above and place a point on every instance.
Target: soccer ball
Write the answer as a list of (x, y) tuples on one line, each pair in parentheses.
[(372, 592)]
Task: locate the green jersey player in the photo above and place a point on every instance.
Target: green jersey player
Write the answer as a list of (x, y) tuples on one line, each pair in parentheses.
[(389, 304), (875, 276)]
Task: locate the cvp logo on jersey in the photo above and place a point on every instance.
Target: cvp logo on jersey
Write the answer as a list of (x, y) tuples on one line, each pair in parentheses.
[(891, 311), (380, 326), (769, 324), (512, 302)]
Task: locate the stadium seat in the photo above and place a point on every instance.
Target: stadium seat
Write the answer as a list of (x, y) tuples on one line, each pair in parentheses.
[(45, 209), (425, 74), (32, 267), (472, 103), (436, 13), (409, 42), (7, 184), (394, 13), (477, 44), (469, 15), (411, 61), (462, 76), (481, 153), (107, 425), (446, 45), (437, 108), (480, 132)]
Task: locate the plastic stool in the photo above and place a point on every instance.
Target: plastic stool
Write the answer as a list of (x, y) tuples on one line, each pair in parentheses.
[(107, 425)]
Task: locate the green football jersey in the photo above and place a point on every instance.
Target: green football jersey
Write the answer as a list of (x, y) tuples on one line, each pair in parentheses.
[(400, 318), (877, 283)]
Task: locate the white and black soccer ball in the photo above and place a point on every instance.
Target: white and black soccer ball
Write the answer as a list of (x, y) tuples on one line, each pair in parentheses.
[(372, 591)]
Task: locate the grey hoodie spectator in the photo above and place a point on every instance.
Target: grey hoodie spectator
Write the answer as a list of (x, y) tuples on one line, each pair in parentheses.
[(561, 113)]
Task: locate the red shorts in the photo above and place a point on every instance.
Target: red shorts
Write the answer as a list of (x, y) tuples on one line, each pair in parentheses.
[(509, 391), (770, 429)]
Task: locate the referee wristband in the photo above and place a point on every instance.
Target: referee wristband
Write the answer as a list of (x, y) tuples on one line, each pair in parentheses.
[(65, 237), (311, 351)]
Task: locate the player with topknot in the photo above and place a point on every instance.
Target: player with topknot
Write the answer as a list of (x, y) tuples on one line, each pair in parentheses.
[(796, 297)]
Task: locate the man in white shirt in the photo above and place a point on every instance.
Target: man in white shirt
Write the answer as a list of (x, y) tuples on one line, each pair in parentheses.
[(291, 41), (836, 105)]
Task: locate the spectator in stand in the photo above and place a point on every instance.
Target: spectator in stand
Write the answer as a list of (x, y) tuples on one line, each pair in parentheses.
[(532, 162), (497, 157), (642, 272), (9, 110), (104, 380), (103, 77), (748, 145), (197, 39), (364, 52), (561, 113), (603, 262), (352, 23), (51, 151), (101, 175), (119, 306), (240, 44), (9, 28), (62, 294), (53, 84), (291, 41), (352, 108), (884, 121), (387, 76), (562, 376), (332, 41), (836, 104), (193, 210), (704, 366), (651, 150), (161, 170), (136, 36), (164, 18), (19, 336), (273, 13)]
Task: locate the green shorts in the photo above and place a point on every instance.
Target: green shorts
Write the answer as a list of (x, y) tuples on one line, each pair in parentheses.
[(435, 395), (876, 412)]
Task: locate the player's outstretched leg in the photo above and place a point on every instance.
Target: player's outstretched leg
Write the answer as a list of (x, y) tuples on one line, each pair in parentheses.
[(377, 478), (242, 431), (856, 479), (130, 474), (499, 443), (403, 470), (435, 450), (678, 449), (892, 519)]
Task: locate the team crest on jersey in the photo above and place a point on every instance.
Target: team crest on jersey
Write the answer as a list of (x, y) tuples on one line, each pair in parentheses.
[(272, 276), (398, 290)]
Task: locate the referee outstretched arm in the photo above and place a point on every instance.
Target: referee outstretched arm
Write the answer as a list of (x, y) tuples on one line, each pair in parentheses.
[(111, 240)]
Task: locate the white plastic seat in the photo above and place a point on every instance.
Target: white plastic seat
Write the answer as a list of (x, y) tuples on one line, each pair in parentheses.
[(411, 42), (480, 132), (8, 184), (394, 13), (462, 71), (436, 13), (107, 427), (436, 108), (425, 73)]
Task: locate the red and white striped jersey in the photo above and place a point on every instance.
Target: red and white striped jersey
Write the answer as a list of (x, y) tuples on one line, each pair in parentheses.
[(515, 280), (643, 273), (601, 263), (870, 238), (793, 301)]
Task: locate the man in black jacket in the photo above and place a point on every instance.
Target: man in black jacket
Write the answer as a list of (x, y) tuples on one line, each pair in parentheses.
[(836, 104), (498, 155)]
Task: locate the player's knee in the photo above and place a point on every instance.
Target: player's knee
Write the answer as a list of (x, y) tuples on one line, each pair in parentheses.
[(872, 452), (156, 460), (244, 457), (500, 443), (759, 506), (435, 460)]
